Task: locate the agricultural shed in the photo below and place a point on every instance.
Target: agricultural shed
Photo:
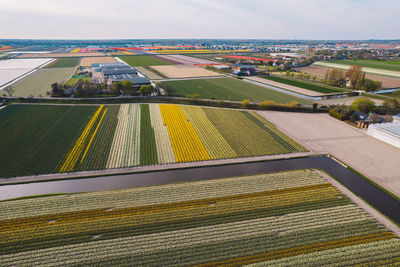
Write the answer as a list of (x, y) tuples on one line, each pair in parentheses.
[(387, 132), (107, 72), (136, 80), (246, 69)]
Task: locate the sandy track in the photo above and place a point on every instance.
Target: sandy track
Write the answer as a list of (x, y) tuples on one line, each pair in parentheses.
[(184, 71), (320, 133), (387, 82)]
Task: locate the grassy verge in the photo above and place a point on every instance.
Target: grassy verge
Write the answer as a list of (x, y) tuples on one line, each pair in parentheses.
[(375, 64), (74, 81), (302, 84)]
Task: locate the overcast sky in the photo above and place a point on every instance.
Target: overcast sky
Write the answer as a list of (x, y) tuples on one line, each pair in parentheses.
[(261, 19)]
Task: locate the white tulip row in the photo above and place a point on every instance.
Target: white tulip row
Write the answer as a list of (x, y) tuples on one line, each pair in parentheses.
[(125, 147), (188, 237), (131, 155), (344, 256), (143, 196), (165, 152), (118, 144)]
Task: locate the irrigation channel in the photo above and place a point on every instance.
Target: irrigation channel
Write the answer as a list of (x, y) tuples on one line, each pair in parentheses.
[(377, 198)]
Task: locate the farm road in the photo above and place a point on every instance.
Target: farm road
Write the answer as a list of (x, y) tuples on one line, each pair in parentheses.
[(320, 133)]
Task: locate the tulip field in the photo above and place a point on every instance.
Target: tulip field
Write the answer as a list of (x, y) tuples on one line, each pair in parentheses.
[(293, 218), (81, 138)]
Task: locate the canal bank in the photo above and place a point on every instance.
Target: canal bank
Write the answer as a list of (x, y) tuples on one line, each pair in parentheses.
[(380, 200)]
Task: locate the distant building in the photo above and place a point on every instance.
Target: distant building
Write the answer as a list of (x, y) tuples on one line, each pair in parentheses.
[(115, 72), (387, 132), (242, 70)]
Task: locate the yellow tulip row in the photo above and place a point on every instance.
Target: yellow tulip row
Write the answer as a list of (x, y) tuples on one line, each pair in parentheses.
[(93, 135), (76, 50), (213, 141), (76, 151), (185, 142)]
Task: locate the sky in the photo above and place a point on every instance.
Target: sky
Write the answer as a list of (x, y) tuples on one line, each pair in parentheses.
[(219, 19)]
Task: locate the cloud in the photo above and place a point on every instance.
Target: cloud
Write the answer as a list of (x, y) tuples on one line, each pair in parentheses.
[(288, 19)]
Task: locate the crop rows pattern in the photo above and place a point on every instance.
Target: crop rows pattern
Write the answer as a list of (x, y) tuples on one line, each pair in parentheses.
[(129, 135), (277, 219)]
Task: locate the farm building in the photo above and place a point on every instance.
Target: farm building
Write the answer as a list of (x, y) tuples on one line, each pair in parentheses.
[(387, 132), (114, 72), (242, 70)]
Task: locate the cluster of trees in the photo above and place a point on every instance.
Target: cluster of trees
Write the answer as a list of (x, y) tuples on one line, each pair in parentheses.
[(81, 89), (391, 105), (301, 76), (88, 89), (363, 105), (128, 88), (354, 77), (9, 90)]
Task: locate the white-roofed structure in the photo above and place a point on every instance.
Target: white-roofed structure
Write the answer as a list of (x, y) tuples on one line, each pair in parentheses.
[(387, 132)]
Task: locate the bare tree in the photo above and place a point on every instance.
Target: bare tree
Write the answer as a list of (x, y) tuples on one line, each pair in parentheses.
[(10, 90)]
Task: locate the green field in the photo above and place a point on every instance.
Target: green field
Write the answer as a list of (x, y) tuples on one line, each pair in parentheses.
[(39, 82), (74, 81), (293, 218), (395, 94), (35, 138), (64, 63), (143, 61), (80, 138), (230, 89), (305, 85), (376, 64)]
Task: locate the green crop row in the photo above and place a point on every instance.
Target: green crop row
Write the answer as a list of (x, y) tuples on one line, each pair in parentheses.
[(103, 137), (148, 149)]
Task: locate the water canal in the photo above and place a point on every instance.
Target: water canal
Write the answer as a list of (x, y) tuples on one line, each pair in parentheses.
[(377, 198)]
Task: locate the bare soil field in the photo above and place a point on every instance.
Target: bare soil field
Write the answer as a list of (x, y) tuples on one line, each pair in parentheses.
[(184, 71), (320, 133), (285, 86), (387, 82), (88, 61), (148, 73), (116, 53), (61, 55)]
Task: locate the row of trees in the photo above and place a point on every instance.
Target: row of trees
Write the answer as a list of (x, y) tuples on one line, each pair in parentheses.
[(128, 88), (354, 78), (301, 76), (88, 89)]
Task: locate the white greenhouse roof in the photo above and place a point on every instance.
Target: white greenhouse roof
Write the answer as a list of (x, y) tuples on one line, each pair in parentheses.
[(392, 128)]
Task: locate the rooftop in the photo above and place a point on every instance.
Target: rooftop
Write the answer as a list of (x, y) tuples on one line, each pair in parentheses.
[(392, 128)]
